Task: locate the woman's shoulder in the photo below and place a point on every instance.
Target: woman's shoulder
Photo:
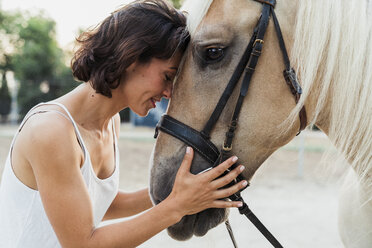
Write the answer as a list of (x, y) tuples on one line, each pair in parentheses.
[(44, 122), (47, 130)]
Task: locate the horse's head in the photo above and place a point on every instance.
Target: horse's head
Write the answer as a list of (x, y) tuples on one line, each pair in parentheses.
[(212, 56)]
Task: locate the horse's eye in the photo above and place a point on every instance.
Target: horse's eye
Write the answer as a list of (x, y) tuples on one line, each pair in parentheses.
[(214, 53)]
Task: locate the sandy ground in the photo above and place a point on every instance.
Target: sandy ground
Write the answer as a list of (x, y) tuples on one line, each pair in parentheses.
[(299, 206)]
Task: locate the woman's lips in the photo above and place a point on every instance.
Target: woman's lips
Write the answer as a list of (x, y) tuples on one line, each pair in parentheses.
[(153, 102)]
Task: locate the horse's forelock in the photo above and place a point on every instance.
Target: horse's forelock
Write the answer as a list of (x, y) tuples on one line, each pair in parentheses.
[(196, 10)]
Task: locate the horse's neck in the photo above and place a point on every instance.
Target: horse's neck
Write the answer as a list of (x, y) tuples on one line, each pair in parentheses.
[(358, 162)]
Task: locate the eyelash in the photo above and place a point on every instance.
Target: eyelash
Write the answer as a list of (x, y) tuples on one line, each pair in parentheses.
[(167, 78)]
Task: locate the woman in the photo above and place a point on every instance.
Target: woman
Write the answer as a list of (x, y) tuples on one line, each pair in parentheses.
[(61, 176)]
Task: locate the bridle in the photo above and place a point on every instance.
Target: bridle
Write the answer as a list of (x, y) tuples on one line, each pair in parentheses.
[(200, 141)]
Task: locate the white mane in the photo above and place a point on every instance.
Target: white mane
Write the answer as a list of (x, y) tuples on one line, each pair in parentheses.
[(196, 10), (333, 47)]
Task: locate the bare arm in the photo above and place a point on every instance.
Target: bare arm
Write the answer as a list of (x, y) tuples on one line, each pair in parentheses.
[(56, 165), (128, 204), (202, 192)]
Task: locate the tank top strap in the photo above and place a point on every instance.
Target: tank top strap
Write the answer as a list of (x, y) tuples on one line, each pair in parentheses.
[(27, 116), (114, 129), (80, 139), (116, 148), (68, 116)]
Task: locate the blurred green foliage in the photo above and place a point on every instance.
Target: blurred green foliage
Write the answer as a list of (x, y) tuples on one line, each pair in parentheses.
[(8, 36), (29, 48), (5, 99), (177, 3), (39, 64)]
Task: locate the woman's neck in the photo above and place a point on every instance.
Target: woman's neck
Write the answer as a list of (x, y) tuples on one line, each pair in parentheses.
[(90, 110)]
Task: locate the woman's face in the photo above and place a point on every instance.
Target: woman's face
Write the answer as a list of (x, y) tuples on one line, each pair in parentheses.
[(145, 84)]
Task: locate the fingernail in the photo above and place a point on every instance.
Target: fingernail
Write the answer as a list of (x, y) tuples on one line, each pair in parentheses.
[(235, 158), (241, 168), (245, 183), (240, 204), (188, 149)]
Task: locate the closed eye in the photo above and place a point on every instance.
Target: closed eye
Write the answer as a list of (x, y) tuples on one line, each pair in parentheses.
[(167, 78)]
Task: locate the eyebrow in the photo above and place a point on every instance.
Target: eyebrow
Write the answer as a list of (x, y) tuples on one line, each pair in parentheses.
[(174, 68)]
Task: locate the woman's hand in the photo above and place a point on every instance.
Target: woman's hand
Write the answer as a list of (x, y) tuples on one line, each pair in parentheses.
[(195, 193)]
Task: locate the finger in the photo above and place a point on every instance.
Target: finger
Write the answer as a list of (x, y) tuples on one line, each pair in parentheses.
[(187, 161), (220, 182), (223, 193), (226, 204), (221, 168)]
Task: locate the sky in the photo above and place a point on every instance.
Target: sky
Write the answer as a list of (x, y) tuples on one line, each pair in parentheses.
[(69, 15)]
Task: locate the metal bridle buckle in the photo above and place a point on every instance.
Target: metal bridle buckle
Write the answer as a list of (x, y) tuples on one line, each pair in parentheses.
[(226, 148), (259, 41)]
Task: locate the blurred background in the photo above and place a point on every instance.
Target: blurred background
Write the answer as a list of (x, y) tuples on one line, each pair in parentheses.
[(294, 192), (37, 40)]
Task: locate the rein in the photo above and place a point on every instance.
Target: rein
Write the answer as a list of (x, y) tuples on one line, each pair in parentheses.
[(200, 141)]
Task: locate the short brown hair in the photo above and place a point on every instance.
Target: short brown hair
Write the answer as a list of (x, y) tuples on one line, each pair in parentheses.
[(139, 31)]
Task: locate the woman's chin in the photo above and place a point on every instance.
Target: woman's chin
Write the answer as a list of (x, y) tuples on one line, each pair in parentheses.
[(142, 112)]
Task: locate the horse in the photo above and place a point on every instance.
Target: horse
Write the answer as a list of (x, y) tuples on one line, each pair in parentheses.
[(330, 46)]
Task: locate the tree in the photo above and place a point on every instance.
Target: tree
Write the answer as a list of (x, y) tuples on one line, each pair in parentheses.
[(39, 63), (5, 99), (177, 3), (8, 42), (28, 47)]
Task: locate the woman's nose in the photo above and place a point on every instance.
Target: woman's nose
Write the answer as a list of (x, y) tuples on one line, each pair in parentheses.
[(167, 93)]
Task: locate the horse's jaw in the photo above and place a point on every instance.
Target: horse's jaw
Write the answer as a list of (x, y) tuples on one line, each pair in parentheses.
[(164, 167)]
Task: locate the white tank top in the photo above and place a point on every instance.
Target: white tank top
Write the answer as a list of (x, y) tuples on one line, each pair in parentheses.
[(23, 221)]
